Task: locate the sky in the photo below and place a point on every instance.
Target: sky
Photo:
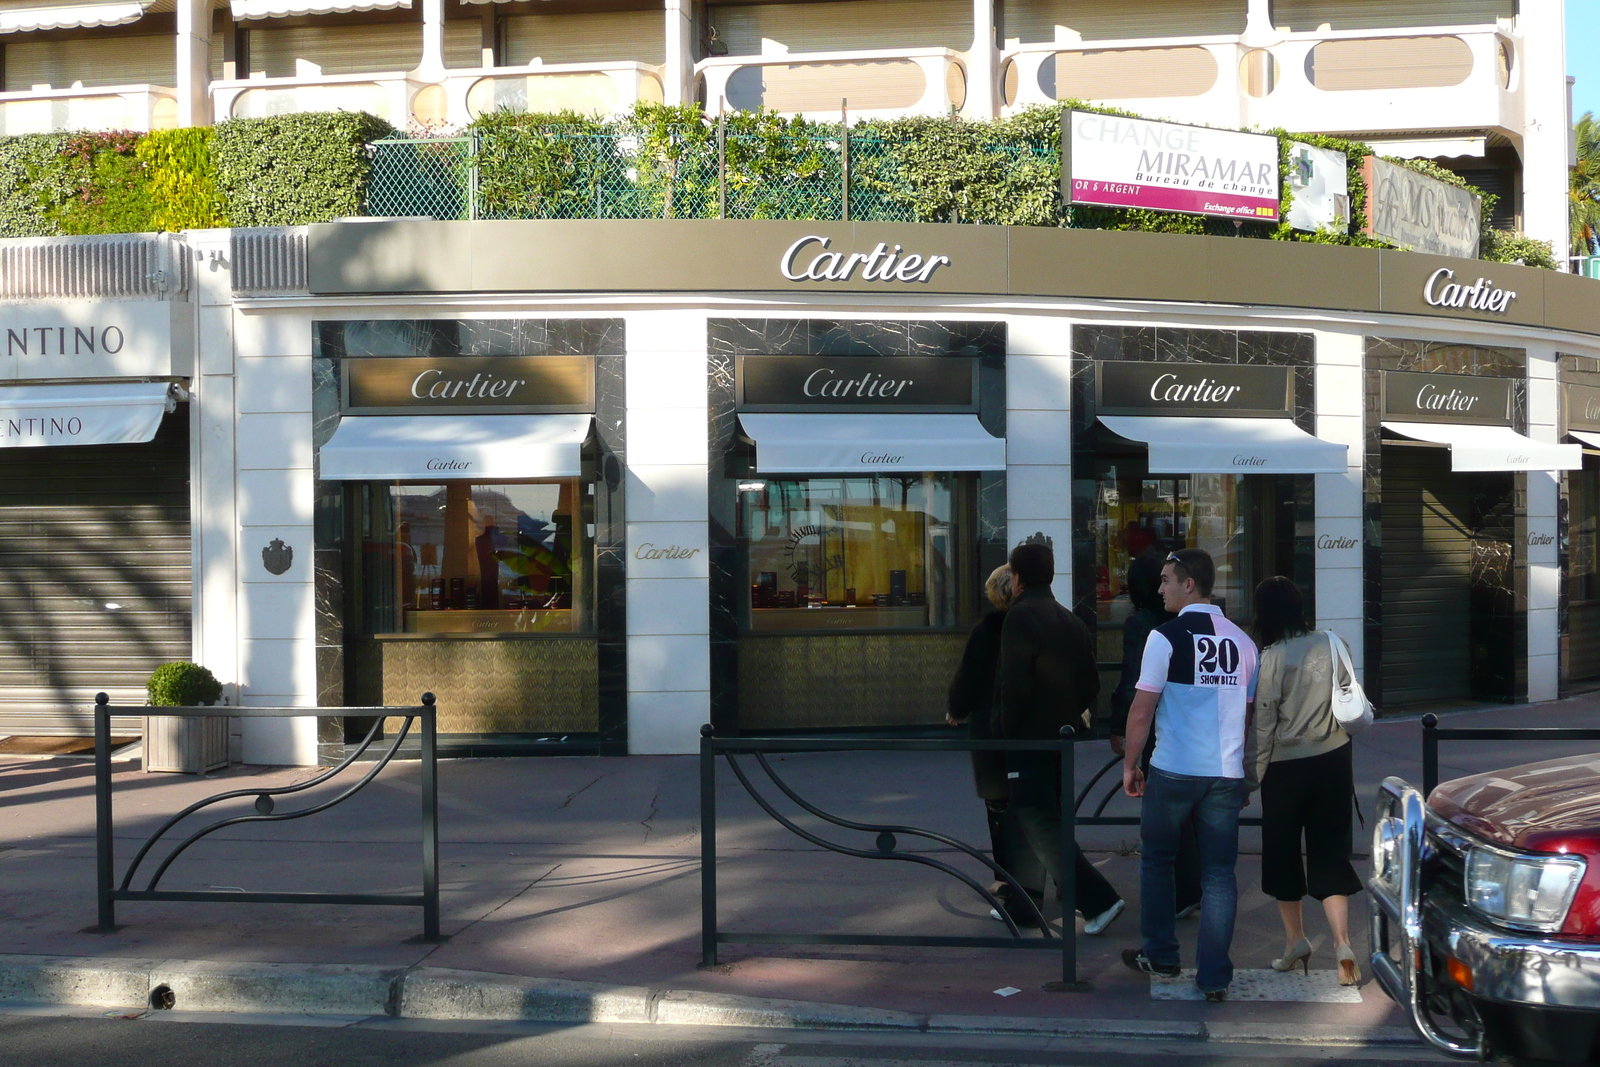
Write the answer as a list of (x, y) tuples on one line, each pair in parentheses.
[(1583, 54)]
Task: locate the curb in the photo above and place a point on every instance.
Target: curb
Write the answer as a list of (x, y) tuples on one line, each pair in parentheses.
[(441, 994)]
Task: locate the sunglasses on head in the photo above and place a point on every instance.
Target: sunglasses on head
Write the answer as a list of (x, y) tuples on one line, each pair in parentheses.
[(1172, 557)]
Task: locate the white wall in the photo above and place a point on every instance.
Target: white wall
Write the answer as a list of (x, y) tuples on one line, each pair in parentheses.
[(1544, 573), (669, 620), (1039, 438), (1340, 534)]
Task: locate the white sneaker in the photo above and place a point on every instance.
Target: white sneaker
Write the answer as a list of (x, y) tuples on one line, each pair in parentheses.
[(1098, 924)]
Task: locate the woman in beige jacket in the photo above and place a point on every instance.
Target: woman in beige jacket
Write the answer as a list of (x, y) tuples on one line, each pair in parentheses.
[(1303, 762)]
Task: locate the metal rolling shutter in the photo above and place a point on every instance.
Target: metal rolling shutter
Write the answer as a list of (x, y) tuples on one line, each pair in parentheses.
[(1035, 21), (142, 60), (593, 37), (1427, 573), (1306, 15), (82, 528), (848, 25), (369, 48)]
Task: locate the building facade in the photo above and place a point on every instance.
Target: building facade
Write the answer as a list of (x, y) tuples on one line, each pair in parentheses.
[(596, 483), (1476, 85)]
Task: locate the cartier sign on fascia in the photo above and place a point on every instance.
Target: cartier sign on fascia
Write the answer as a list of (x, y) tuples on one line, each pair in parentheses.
[(1461, 398), (1139, 388), (1441, 290), (811, 259)]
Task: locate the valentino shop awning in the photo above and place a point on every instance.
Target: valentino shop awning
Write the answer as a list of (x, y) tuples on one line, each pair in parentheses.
[(1211, 419), (1491, 448), (818, 443), (455, 447), (119, 413)]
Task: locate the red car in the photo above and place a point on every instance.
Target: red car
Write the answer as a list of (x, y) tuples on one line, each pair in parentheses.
[(1486, 911)]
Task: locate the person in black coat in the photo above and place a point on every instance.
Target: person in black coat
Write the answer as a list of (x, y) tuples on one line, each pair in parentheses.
[(1049, 677), (971, 703)]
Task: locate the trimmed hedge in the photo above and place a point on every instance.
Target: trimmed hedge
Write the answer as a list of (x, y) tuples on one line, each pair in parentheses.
[(293, 169)]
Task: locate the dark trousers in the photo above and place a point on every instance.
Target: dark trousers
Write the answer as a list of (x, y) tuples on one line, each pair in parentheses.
[(1186, 866), (1036, 805), (1308, 798)]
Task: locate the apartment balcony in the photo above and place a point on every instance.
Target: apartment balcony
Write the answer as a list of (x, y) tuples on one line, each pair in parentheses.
[(1359, 81), (452, 98), (878, 84), (79, 110)]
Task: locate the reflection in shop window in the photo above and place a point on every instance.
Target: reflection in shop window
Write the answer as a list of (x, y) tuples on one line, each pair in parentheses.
[(866, 552), (465, 557)]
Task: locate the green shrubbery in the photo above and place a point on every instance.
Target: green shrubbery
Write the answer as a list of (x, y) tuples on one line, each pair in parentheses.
[(183, 685)]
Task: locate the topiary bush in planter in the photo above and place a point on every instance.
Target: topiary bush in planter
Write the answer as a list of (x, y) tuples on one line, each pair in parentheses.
[(188, 744)]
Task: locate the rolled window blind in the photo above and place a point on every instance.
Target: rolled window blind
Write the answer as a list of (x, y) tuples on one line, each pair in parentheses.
[(1035, 21), (591, 37), (1306, 15), (94, 61), (463, 43), (1130, 74), (360, 49), (1389, 63), (848, 25)]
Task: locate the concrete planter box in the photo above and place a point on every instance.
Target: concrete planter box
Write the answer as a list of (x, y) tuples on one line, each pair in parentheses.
[(185, 744)]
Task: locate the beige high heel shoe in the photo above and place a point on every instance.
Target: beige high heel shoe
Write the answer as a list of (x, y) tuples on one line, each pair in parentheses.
[(1349, 973), (1299, 952)]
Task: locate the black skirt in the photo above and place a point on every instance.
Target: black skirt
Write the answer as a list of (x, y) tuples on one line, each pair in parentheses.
[(1308, 798)]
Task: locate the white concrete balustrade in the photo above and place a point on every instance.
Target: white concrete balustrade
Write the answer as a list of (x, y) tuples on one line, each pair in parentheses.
[(116, 107), (878, 84)]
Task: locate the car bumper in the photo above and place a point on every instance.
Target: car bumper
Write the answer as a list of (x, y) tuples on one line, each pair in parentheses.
[(1512, 968)]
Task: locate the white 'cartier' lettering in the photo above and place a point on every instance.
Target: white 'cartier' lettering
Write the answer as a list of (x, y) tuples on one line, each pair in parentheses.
[(1168, 390), (1591, 410), (1481, 295), (431, 384), (869, 386), (1429, 398), (882, 264)]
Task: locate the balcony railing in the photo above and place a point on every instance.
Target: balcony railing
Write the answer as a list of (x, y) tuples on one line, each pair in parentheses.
[(877, 84), (1358, 80), (117, 107), (405, 98)]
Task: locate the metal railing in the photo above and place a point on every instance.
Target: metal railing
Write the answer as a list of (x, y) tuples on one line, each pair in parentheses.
[(885, 846), (1113, 790), (1433, 733), (109, 891)]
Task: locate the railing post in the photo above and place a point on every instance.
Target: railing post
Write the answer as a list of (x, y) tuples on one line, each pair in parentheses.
[(844, 157), (708, 847), (430, 820), (102, 814), (1430, 754), (722, 164), (1069, 880), (472, 176)]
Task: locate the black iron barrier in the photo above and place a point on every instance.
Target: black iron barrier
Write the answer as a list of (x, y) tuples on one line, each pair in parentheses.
[(109, 891), (884, 845), (1114, 790), (1432, 734)]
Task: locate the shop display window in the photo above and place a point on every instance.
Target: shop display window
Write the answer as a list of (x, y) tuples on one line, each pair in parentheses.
[(1583, 575), (470, 557), (855, 551), (1140, 517)]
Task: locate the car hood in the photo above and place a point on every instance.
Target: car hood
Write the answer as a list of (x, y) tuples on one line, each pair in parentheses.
[(1552, 806)]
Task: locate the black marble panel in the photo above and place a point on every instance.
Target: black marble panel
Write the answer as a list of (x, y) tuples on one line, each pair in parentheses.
[(1519, 405), (325, 374), (1276, 348), (773, 337), (932, 338), (355, 339), (1388, 353), (1305, 398), (878, 337), (1114, 342), (1196, 346), (854, 337)]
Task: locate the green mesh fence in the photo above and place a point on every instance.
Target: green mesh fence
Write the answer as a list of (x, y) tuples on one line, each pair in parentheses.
[(549, 174)]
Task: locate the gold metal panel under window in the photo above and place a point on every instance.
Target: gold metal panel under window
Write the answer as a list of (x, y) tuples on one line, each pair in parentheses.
[(851, 25), (94, 61), (827, 681), (1389, 63), (1134, 73), (366, 48), (1309, 15), (588, 37), (1036, 21)]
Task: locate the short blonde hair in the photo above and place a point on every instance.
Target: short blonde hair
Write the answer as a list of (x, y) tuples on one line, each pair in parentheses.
[(999, 588)]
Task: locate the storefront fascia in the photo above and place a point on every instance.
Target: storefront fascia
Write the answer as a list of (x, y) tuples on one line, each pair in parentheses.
[(1045, 286)]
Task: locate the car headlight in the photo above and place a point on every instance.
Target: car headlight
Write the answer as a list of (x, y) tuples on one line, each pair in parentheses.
[(1532, 892)]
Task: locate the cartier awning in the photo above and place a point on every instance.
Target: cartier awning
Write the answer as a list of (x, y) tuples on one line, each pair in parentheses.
[(847, 444), (1185, 445), (455, 448), (1588, 439), (1491, 448), (126, 413)]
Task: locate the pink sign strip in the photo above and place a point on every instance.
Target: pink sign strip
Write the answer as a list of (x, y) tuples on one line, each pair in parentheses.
[(1160, 198)]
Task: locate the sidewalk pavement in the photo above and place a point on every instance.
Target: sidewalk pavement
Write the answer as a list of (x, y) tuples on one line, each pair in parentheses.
[(586, 870)]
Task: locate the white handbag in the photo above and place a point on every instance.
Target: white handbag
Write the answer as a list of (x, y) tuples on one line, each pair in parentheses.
[(1351, 708)]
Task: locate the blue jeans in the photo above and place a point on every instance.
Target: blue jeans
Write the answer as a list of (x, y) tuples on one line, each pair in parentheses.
[(1214, 803)]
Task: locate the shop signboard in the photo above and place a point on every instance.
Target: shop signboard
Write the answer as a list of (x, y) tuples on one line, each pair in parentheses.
[(1319, 184), (1583, 408), (1192, 389), (1420, 213), (1112, 161), (1462, 399), (858, 383), (454, 384), (90, 339)]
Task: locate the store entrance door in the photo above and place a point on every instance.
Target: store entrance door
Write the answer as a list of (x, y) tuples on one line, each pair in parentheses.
[(1448, 596)]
